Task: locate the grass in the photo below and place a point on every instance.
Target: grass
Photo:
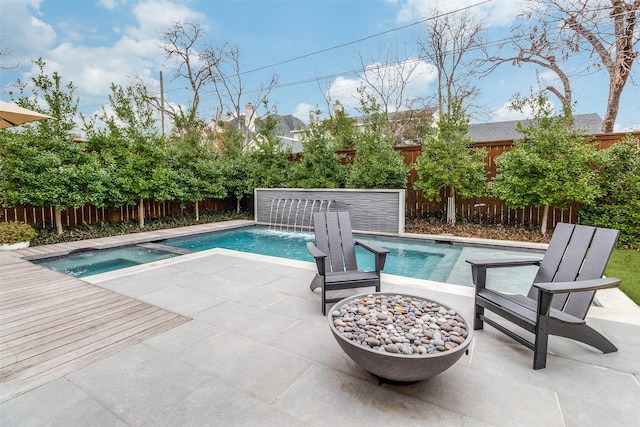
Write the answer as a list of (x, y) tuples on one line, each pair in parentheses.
[(625, 265)]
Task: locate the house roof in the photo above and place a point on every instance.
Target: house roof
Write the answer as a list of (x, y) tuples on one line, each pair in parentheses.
[(499, 131), (287, 125)]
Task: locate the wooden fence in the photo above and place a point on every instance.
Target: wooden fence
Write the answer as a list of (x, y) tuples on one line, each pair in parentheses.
[(479, 208), (486, 208), (88, 214)]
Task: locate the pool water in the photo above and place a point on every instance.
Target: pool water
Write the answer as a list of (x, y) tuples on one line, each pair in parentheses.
[(419, 260), (88, 263), (441, 262)]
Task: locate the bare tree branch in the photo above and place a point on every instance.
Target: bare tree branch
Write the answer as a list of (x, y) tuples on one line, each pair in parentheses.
[(533, 45), (180, 45), (448, 43), (604, 30)]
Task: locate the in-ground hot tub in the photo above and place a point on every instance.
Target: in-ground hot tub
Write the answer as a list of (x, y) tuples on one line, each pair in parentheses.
[(399, 338)]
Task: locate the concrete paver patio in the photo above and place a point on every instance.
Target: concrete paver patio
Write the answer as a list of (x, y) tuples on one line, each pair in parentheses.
[(257, 351)]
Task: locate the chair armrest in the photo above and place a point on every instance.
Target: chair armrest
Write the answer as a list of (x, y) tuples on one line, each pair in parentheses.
[(578, 285), (380, 253), (371, 247), (545, 296), (479, 268), (314, 251), (319, 256), (492, 263)]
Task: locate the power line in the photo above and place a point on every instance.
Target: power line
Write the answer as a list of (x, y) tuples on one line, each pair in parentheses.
[(365, 38), (353, 71)]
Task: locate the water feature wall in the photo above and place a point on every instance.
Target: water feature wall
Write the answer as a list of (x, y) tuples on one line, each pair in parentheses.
[(379, 211)]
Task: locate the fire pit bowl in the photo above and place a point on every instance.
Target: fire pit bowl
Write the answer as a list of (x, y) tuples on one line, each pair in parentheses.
[(399, 338)]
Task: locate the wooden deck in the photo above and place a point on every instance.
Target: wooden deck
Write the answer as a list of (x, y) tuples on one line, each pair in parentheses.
[(52, 324)]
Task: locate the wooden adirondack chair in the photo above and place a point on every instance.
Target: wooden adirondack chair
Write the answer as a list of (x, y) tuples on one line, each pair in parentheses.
[(334, 252), (562, 291)]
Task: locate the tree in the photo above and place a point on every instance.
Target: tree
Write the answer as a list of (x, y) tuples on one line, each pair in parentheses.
[(339, 127), (618, 205), (418, 129), (449, 162), (134, 156), (551, 165), (613, 42), (534, 44), (42, 163), (448, 43), (195, 162), (181, 45), (48, 171), (270, 161), (605, 31), (376, 164), (393, 76), (320, 164), (217, 66), (235, 163), (229, 84)]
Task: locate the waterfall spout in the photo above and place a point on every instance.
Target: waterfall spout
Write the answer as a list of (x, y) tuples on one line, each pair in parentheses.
[(283, 215)]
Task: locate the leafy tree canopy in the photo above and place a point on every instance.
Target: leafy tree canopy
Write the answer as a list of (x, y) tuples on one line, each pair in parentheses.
[(42, 163), (269, 159), (320, 165), (550, 166), (377, 164), (618, 205), (449, 161)]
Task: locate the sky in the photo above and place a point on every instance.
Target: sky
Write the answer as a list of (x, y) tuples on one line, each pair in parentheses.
[(316, 48)]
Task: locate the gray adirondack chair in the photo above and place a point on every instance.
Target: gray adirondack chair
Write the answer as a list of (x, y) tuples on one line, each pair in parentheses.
[(335, 256), (562, 291)]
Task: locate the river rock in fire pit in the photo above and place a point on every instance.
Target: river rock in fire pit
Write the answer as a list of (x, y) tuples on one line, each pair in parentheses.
[(399, 338)]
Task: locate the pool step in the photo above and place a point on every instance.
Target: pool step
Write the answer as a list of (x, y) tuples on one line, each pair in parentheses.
[(165, 248)]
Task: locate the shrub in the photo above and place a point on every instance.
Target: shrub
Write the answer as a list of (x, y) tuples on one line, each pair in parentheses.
[(619, 204), (15, 232)]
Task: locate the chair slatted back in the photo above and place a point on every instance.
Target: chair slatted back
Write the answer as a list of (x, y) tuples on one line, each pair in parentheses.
[(555, 252), (576, 252), (334, 238), (602, 245)]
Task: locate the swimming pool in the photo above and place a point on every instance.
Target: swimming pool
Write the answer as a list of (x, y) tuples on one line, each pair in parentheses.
[(425, 260), (96, 261), (415, 258), (420, 259)]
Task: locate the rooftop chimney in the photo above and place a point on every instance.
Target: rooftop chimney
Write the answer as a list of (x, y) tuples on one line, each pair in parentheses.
[(249, 117)]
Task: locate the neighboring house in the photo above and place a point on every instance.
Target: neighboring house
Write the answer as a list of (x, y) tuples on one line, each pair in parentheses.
[(289, 128), (505, 131)]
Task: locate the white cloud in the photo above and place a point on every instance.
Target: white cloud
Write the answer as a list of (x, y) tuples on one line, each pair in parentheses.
[(506, 113), (92, 66), (413, 74), (108, 4), (24, 33), (617, 127), (496, 12), (346, 91), (155, 15), (302, 111)]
